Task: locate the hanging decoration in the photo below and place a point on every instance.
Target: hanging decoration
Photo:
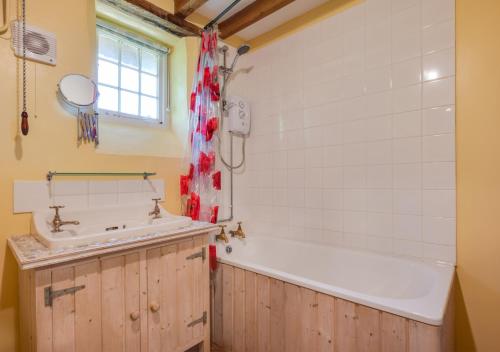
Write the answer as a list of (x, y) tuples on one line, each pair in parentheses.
[(24, 114), (200, 186)]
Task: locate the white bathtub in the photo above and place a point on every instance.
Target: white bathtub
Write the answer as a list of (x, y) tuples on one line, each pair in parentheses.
[(412, 289)]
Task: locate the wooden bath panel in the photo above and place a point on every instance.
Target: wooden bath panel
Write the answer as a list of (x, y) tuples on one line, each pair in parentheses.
[(256, 313)]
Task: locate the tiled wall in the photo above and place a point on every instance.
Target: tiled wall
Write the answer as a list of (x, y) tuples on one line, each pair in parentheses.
[(36, 195), (353, 131)]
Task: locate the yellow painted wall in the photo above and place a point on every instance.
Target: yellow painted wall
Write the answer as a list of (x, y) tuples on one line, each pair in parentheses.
[(51, 144), (478, 174)]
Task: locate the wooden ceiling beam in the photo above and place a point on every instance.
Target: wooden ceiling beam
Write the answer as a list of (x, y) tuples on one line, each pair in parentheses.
[(165, 15), (184, 8), (254, 12)]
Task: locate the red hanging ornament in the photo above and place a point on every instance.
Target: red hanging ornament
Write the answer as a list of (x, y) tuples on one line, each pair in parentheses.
[(214, 215), (216, 180), (184, 183), (212, 126)]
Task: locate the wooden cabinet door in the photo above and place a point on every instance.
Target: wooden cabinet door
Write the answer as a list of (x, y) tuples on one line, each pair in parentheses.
[(121, 303), (178, 289), (102, 313)]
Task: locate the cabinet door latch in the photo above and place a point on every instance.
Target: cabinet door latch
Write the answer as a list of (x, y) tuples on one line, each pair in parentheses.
[(203, 320), (51, 294), (201, 254)]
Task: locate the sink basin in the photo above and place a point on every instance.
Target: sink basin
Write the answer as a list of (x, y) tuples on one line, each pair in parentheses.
[(103, 224)]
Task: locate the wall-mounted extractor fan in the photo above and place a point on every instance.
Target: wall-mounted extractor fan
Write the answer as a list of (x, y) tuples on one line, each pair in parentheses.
[(40, 45)]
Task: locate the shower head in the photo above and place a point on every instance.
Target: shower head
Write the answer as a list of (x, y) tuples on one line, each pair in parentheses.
[(242, 50)]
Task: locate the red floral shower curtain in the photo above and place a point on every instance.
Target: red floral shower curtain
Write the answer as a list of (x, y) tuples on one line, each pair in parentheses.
[(201, 185)]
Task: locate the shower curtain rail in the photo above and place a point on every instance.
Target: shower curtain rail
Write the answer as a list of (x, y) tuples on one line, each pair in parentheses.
[(222, 14), (144, 174)]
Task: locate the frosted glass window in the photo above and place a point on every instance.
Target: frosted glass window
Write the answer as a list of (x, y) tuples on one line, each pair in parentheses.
[(149, 62), (130, 56), (149, 107), (108, 98), (149, 85), (130, 79), (129, 103), (108, 73), (131, 75), (109, 48)]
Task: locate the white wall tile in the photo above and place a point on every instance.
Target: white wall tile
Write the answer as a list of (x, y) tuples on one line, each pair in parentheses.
[(438, 37), (439, 64), (377, 10), (407, 150), (439, 92), (333, 177), (67, 188), (439, 230), (434, 11), (406, 73), (439, 120), (406, 34), (333, 156), (379, 176), (379, 200), (333, 199), (355, 199), (408, 176), (378, 79), (378, 224), (101, 187), (439, 175), (407, 124), (408, 201), (378, 44), (408, 227), (407, 98), (31, 195), (439, 148), (439, 203)]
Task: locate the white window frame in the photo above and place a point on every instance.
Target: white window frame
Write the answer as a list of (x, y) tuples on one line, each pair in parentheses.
[(163, 78)]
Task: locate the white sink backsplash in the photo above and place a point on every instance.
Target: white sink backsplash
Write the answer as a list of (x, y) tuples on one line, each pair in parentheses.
[(37, 195)]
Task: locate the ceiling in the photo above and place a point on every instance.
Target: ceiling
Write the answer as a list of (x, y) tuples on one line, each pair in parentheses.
[(298, 7)]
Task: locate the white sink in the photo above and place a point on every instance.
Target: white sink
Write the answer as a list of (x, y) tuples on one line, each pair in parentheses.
[(103, 224)]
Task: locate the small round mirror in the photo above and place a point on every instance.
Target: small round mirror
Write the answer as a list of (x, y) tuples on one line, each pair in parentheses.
[(78, 90)]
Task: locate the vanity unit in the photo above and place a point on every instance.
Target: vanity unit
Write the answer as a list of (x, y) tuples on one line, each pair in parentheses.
[(149, 293)]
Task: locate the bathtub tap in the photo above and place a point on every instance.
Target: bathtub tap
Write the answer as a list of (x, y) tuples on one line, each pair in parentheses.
[(238, 232)]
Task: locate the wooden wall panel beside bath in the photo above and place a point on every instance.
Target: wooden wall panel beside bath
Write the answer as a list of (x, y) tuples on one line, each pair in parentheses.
[(259, 313)]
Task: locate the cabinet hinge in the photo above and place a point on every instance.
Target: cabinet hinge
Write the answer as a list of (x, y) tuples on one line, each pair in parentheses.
[(50, 294), (201, 254), (203, 320)]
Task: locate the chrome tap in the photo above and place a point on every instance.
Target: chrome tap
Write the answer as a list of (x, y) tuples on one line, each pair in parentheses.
[(238, 232), (222, 235), (57, 222), (156, 213)]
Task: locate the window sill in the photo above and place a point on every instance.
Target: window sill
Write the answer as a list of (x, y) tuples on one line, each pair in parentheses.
[(132, 121)]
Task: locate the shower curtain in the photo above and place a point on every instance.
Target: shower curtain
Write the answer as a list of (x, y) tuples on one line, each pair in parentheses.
[(201, 184)]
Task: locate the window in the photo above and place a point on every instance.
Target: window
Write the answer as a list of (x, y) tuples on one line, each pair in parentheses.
[(132, 76)]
